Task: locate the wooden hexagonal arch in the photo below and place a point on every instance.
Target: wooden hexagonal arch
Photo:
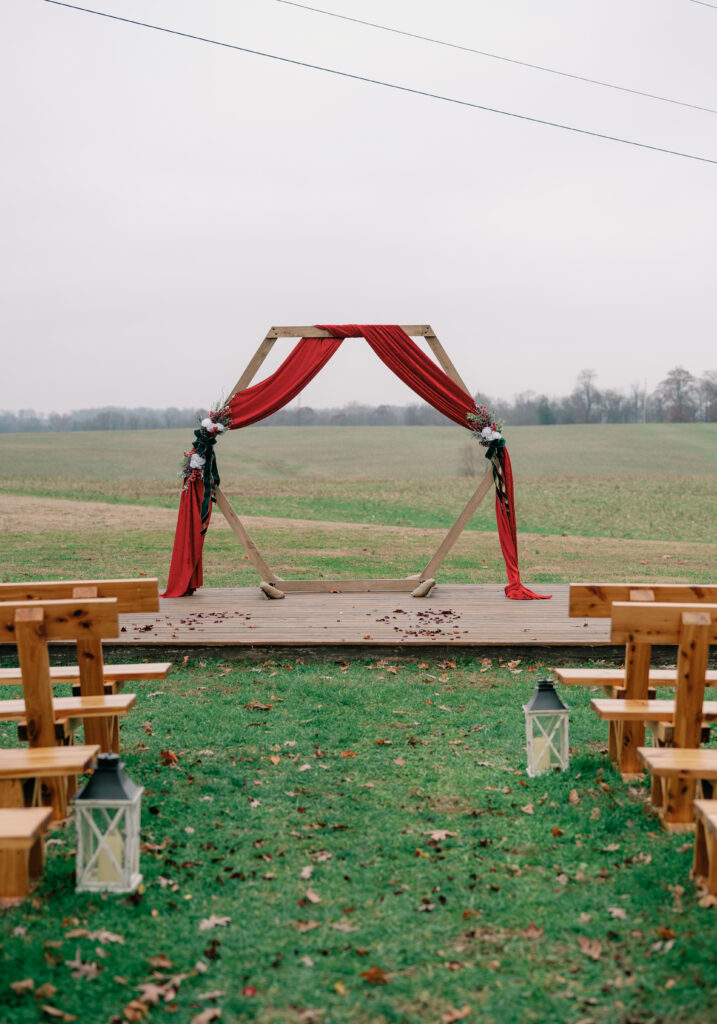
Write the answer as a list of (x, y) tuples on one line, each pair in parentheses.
[(418, 584)]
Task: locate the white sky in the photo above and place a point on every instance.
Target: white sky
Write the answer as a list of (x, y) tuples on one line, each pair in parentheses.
[(163, 202)]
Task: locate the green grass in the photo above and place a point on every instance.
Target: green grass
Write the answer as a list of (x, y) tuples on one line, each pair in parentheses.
[(395, 752)]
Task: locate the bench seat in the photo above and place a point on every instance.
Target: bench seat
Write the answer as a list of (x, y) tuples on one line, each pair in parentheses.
[(74, 707), (111, 673), (615, 678), (644, 710), (46, 762), (21, 849), (700, 763), (704, 869)]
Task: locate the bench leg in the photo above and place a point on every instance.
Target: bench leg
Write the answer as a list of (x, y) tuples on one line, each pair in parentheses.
[(705, 863), (54, 794), (13, 876), (613, 740), (36, 860), (633, 736), (679, 796)]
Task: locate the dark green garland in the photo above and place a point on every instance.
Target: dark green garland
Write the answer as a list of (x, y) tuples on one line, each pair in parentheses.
[(204, 446)]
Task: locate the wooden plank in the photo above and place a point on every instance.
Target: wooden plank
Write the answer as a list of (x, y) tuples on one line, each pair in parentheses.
[(595, 600), (69, 707), (616, 677), (137, 595), (704, 868), (657, 623), (664, 761), (444, 361), (253, 553), (629, 735), (20, 826), (346, 586), (110, 673), (255, 363), (412, 330), (65, 620), (645, 710), (460, 524), (45, 762), (92, 684)]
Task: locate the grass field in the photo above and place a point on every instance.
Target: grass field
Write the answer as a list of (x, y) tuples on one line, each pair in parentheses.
[(374, 852), (358, 843), (632, 500)]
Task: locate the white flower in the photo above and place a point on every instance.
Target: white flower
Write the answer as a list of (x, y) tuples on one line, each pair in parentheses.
[(495, 435), (219, 427), (208, 423), (486, 432), (196, 461)]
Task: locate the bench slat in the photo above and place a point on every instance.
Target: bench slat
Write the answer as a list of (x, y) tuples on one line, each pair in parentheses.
[(20, 826), (46, 762), (132, 595), (700, 763), (595, 600), (111, 673), (645, 710), (616, 677), (74, 707)]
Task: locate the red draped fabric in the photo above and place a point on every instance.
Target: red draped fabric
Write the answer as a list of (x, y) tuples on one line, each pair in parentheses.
[(245, 407), (394, 347), (401, 355)]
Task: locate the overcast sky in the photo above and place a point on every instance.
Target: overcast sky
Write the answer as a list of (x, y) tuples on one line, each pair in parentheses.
[(164, 201)]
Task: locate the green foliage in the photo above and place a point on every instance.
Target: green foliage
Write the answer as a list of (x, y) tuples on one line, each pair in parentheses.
[(525, 903)]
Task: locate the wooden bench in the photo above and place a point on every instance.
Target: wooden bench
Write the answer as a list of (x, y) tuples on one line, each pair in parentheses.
[(132, 595), (688, 770), (31, 626), (74, 707), (23, 770), (595, 600), (677, 724), (704, 868), (114, 676), (22, 851)]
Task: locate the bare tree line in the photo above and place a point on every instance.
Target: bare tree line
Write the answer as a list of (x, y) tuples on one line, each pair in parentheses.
[(679, 398)]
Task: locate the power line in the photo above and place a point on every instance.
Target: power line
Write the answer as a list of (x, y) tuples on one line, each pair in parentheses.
[(386, 85), (703, 4), (496, 56)]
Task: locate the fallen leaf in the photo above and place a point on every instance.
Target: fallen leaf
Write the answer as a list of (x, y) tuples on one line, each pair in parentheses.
[(306, 961), (160, 962), (439, 834), (249, 990), (312, 897), (611, 847), (617, 912), (306, 872), (21, 987), (46, 991), (590, 947), (399, 761), (451, 1016), (52, 1011), (666, 933), (82, 968), (213, 922), (528, 809), (532, 932), (275, 759), (348, 753), (168, 757), (375, 975), (207, 1016), (573, 797), (339, 987), (306, 926), (556, 831)]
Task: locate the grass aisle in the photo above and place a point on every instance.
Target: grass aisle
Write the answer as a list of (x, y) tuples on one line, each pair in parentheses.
[(360, 843)]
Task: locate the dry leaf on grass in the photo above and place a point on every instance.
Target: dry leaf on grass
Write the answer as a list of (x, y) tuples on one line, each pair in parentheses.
[(532, 932), (528, 809), (573, 797), (590, 947), (21, 987), (375, 975), (207, 1016), (306, 926), (52, 1011), (213, 922), (312, 897), (439, 834), (617, 912), (160, 961), (451, 1016)]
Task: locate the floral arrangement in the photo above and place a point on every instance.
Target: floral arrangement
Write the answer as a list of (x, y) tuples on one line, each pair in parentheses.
[(200, 462), (488, 429)]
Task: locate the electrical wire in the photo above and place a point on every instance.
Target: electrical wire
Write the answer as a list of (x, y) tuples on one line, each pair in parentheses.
[(496, 56), (703, 4), (387, 85)]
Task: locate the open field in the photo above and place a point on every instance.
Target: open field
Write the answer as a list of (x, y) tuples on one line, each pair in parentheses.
[(374, 852), (617, 502)]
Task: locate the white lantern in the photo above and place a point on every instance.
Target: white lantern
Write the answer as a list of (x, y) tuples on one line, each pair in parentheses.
[(107, 820), (546, 730)]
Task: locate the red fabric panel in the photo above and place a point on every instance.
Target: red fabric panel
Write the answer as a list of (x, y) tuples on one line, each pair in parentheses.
[(185, 570), (268, 396), (247, 406), (401, 355)]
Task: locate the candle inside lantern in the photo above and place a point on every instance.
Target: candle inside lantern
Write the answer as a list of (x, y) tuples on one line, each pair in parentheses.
[(541, 754), (107, 870)]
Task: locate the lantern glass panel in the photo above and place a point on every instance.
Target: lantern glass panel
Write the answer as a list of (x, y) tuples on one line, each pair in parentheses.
[(108, 846), (547, 742)]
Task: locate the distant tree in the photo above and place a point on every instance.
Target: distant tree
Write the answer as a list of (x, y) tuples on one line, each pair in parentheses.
[(708, 395), (615, 406), (678, 395), (585, 396), (545, 411)]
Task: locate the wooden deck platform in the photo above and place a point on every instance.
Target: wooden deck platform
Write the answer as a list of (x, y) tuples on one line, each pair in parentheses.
[(454, 615)]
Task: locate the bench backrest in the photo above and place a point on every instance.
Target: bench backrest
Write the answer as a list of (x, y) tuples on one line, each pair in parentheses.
[(132, 595), (30, 625), (595, 600), (692, 628)]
